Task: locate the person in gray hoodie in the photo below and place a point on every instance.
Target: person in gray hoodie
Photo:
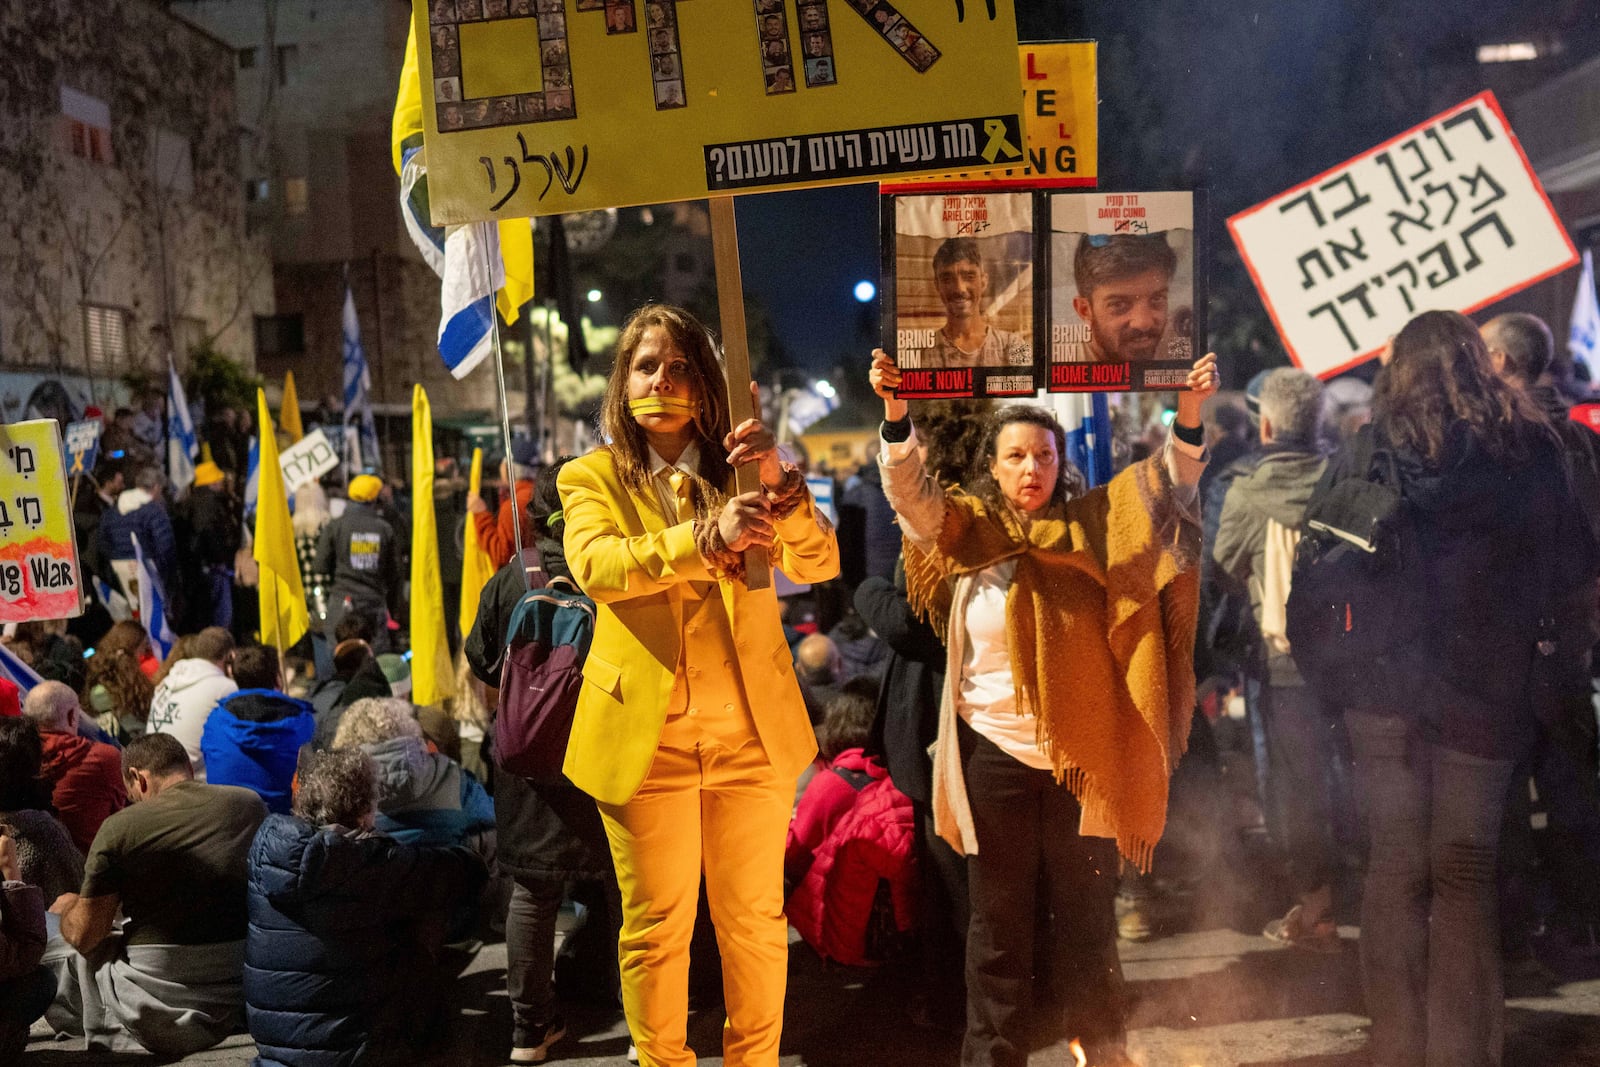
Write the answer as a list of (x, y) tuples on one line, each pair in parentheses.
[(1256, 539), (192, 689)]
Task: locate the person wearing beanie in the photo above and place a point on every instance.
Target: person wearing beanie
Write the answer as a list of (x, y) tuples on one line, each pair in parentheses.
[(360, 550), (496, 532)]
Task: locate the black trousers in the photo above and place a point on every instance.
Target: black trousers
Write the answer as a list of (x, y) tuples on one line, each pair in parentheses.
[(1028, 844)]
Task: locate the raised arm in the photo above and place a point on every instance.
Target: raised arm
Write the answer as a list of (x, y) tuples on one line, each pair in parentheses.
[(917, 499)]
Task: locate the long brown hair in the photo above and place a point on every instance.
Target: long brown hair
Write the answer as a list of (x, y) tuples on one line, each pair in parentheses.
[(115, 665), (1439, 377), (630, 452)]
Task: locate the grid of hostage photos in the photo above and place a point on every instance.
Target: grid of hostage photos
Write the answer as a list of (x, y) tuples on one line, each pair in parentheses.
[(895, 28), (816, 45), (454, 111), (666, 54)]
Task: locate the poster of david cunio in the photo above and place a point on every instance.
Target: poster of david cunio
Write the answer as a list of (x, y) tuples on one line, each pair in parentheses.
[(1123, 291)]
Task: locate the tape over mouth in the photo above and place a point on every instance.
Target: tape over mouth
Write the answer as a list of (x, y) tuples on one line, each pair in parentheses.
[(661, 405)]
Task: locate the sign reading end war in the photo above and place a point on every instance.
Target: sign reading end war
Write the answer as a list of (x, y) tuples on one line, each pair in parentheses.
[(39, 576), (536, 107), (1448, 215)]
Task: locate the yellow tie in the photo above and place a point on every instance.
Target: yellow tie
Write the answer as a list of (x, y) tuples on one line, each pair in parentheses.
[(680, 489)]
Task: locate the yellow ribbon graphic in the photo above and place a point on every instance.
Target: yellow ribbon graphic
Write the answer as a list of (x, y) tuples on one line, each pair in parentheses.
[(998, 144)]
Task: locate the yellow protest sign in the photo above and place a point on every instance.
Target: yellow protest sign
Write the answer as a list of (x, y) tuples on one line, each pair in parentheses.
[(1061, 118), (536, 107), (39, 573)]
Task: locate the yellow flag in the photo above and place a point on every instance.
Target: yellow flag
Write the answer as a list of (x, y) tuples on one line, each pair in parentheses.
[(284, 619), (432, 676), (476, 566), (289, 410), (516, 235)]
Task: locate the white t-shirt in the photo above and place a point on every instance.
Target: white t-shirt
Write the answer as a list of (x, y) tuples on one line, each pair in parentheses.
[(987, 697)]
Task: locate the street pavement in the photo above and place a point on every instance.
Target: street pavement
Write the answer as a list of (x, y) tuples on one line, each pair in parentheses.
[(1213, 998)]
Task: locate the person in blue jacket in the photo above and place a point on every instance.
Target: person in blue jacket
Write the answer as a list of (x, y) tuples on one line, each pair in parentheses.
[(340, 967), (253, 737)]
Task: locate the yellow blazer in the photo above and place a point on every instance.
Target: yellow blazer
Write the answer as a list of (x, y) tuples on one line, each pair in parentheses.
[(635, 566)]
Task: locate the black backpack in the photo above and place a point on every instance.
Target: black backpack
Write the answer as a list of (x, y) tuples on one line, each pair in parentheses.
[(1352, 608)]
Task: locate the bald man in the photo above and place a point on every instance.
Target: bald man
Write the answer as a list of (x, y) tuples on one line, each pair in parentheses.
[(85, 776), (819, 667)]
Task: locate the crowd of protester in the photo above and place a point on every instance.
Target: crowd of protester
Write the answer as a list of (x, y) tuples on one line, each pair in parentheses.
[(1036, 736)]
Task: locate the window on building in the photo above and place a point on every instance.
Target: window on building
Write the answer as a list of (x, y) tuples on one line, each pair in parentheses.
[(247, 59), (296, 197), (280, 335), (172, 161), (88, 121), (257, 189), (105, 332), (288, 56)]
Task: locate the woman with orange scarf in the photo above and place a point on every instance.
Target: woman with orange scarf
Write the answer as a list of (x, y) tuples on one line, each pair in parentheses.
[(1069, 620)]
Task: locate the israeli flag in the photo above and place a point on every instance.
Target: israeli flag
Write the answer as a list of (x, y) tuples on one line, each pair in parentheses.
[(1583, 336), (252, 481), (358, 382), (473, 272), (183, 444), (17, 672), (1087, 419), (428, 238), (152, 604)]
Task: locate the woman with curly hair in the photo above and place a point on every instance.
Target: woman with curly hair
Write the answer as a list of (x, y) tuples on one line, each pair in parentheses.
[(116, 687)]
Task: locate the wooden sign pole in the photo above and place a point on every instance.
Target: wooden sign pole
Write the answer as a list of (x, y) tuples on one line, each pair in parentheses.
[(736, 358)]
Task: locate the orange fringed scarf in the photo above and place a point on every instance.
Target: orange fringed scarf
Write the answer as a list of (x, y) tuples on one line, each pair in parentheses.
[(1100, 621)]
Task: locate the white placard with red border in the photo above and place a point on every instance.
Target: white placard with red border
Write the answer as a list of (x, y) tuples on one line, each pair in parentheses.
[(1448, 215)]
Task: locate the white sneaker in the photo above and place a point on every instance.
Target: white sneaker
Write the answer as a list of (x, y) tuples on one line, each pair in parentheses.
[(633, 1053)]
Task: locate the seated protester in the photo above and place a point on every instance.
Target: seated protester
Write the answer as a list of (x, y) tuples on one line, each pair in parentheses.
[(850, 851), (84, 776), (369, 682), (45, 851), (820, 668), (26, 987), (344, 923), (348, 658), (254, 736), (117, 686), (424, 798), (173, 863), (185, 698)]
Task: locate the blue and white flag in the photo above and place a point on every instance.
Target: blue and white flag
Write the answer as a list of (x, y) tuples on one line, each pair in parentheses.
[(153, 604), (428, 238), (17, 672), (1583, 336), (252, 480), (183, 444), (358, 384), (1087, 419), (472, 272)]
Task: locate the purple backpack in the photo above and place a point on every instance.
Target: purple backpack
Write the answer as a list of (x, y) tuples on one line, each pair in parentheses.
[(546, 643)]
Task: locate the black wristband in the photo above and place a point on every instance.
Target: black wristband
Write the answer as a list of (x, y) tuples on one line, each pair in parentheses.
[(1189, 435), (897, 431)]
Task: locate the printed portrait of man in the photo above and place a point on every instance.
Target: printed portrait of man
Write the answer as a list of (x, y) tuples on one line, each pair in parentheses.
[(773, 52), (819, 71), (554, 54), (813, 18), (450, 117), (669, 94), (661, 41), (1123, 282), (664, 66), (558, 76), (446, 59), (442, 10), (780, 81), (772, 27), (446, 89), (619, 19), (496, 9), (816, 45), (967, 339)]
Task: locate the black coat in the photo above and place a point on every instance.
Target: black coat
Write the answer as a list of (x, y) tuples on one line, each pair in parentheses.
[(334, 962), (1501, 546), (907, 720)]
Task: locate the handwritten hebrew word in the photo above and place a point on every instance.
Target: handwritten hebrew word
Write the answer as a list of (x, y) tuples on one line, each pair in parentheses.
[(32, 509), (22, 459), (568, 172)]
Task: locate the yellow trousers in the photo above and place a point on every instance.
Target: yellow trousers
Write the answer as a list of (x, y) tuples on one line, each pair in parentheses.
[(726, 809)]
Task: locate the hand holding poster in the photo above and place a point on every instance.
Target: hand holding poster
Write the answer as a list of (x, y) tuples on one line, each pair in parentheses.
[(1447, 215), (1124, 303), (39, 575)]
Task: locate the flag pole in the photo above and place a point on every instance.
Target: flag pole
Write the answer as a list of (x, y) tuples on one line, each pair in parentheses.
[(505, 405)]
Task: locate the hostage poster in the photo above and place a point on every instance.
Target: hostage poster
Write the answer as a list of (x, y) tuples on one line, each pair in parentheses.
[(959, 318), (1124, 298)]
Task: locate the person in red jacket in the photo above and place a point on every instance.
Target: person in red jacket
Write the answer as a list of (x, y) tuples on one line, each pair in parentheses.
[(496, 534), (85, 776)]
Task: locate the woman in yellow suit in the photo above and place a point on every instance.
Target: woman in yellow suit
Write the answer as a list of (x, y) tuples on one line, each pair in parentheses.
[(690, 730)]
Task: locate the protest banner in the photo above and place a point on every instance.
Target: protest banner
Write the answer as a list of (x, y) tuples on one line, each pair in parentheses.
[(39, 573), (1448, 215), (1060, 121), (959, 318), (307, 460), (1125, 308), (82, 440), (532, 107)]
